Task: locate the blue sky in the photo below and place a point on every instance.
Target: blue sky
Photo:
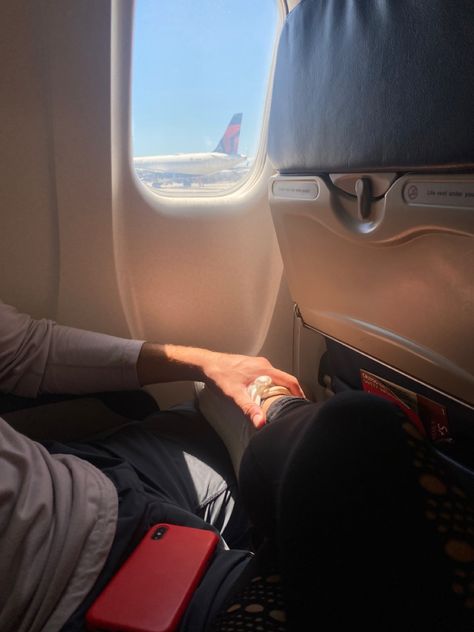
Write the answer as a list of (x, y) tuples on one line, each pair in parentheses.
[(194, 65)]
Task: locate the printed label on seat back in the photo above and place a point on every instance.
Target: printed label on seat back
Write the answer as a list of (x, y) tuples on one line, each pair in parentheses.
[(428, 416)]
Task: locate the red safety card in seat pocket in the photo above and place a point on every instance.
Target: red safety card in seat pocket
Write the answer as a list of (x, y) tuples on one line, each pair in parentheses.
[(429, 417)]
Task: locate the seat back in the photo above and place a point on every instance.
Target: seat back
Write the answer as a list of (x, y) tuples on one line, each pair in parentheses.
[(372, 134)]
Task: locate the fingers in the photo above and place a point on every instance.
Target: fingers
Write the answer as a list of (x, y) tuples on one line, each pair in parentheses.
[(232, 375), (285, 379), (254, 412)]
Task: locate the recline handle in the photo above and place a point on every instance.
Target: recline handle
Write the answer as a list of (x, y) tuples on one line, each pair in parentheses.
[(363, 191)]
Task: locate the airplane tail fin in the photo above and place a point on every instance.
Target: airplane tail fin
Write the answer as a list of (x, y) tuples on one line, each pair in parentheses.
[(229, 143)]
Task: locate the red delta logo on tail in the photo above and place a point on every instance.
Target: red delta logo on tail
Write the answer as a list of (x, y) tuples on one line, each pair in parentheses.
[(229, 143)]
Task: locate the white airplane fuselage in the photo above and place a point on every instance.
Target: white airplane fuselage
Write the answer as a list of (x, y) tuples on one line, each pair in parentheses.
[(204, 163)]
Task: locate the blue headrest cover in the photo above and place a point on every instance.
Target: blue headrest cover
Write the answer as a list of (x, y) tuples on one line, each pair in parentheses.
[(379, 85)]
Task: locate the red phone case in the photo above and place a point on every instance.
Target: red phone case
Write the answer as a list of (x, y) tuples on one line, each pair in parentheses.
[(152, 588)]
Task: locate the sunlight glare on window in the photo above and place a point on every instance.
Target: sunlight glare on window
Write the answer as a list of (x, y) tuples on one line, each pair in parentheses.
[(200, 74)]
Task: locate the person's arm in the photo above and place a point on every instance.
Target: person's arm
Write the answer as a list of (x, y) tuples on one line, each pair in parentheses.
[(230, 373), (39, 356)]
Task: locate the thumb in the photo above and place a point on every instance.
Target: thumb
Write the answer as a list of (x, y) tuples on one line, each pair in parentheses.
[(256, 415), (251, 410)]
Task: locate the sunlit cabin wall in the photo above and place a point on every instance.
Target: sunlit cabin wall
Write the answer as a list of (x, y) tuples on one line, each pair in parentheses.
[(81, 241)]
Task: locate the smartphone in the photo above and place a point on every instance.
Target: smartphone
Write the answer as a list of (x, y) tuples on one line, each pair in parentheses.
[(150, 591)]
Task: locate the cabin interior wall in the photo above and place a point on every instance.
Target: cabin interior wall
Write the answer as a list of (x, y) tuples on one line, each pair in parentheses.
[(28, 235), (80, 241)]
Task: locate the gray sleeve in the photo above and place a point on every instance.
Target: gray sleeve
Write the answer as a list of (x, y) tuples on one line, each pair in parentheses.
[(39, 356)]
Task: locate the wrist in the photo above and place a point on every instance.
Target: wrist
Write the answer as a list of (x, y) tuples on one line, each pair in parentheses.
[(168, 363)]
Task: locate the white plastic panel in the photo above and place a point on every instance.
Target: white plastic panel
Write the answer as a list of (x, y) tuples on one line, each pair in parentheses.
[(28, 233), (399, 286)]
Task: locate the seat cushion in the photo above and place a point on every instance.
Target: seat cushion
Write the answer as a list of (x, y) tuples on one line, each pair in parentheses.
[(384, 85)]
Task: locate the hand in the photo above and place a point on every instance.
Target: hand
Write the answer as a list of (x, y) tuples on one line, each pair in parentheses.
[(232, 374), (229, 373)]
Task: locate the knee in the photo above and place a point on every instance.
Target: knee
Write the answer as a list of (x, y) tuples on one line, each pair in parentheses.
[(355, 432)]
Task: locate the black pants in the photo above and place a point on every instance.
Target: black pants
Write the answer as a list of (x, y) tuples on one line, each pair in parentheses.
[(372, 528), (367, 525), (171, 467)]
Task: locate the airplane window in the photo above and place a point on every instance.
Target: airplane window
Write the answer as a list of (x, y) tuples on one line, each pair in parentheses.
[(200, 74)]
